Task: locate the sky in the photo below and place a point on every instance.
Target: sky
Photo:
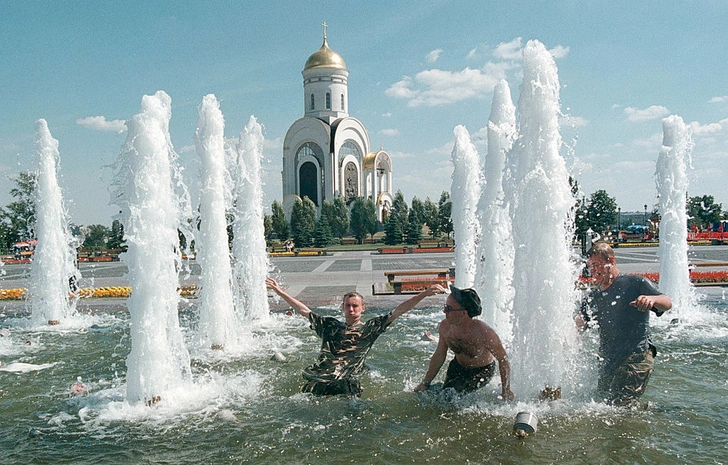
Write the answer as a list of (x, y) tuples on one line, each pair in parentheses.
[(417, 69)]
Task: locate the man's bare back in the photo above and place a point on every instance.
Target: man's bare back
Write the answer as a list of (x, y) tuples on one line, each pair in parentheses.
[(472, 343)]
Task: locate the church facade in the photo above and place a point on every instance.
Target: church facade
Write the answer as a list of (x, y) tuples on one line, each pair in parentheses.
[(327, 153)]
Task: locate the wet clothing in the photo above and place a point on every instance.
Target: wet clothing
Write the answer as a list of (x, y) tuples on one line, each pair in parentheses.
[(467, 379), (624, 331), (343, 351), (629, 380)]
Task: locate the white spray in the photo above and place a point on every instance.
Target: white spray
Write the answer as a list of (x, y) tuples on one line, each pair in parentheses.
[(218, 325), (249, 249), (465, 193), (145, 179), (53, 260), (672, 186), (540, 203), (494, 276)]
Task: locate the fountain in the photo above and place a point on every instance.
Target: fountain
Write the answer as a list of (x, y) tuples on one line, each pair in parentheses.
[(218, 324), (53, 262), (672, 187), (249, 249), (540, 201), (465, 193), (495, 257), (145, 179)]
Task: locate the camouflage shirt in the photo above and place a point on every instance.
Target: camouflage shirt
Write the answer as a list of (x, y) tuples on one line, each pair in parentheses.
[(343, 348)]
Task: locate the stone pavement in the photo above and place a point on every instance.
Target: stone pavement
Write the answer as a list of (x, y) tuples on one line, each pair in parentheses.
[(322, 280)]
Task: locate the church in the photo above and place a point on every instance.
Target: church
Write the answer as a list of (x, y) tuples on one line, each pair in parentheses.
[(327, 153)]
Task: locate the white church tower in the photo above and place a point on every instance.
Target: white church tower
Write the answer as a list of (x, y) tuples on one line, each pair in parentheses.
[(327, 153)]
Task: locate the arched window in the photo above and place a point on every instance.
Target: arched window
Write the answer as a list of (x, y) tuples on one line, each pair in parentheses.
[(349, 148), (328, 100), (313, 105), (342, 103), (307, 179)]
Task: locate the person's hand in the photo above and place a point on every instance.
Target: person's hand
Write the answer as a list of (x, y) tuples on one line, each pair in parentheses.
[(508, 395), (271, 283), (434, 289), (420, 387), (644, 303)]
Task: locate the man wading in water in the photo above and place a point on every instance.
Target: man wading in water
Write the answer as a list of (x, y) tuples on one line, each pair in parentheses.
[(345, 345)]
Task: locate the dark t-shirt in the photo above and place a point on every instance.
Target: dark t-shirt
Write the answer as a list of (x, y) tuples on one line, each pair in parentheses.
[(623, 330), (343, 348)]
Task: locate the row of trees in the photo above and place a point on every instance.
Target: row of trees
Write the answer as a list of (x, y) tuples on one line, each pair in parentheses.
[(600, 212), (403, 223)]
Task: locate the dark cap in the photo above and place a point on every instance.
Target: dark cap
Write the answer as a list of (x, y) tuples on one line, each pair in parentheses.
[(468, 299)]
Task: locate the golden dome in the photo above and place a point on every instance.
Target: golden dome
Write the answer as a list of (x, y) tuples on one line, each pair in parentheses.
[(325, 58)]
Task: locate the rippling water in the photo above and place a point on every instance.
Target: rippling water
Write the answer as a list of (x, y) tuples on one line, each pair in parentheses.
[(246, 408)]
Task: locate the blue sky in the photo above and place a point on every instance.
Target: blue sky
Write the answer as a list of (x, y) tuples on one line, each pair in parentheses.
[(417, 70)]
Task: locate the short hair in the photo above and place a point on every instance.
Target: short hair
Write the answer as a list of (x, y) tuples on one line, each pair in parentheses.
[(352, 294), (601, 250)]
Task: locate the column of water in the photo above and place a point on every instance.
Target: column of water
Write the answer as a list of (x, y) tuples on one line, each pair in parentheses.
[(53, 260), (465, 194), (218, 324), (540, 202), (145, 179)]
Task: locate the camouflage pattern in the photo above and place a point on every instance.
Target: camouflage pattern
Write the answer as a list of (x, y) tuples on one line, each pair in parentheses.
[(624, 386)]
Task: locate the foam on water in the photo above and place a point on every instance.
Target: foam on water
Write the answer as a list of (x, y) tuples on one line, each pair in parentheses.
[(146, 178), (249, 250), (494, 275), (53, 260), (672, 187), (540, 201), (218, 325)]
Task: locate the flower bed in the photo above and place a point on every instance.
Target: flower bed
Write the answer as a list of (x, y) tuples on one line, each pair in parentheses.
[(95, 292)]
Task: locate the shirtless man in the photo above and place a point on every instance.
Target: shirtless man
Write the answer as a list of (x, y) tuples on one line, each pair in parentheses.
[(475, 344)]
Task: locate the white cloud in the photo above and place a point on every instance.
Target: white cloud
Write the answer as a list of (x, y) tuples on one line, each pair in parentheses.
[(722, 99), (648, 114), (390, 132), (706, 129), (559, 51), (509, 50), (434, 55), (386, 115), (573, 121), (440, 87), (99, 123)]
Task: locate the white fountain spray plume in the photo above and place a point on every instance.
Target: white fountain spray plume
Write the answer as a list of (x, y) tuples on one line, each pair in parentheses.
[(146, 176), (215, 304), (465, 193), (672, 187), (53, 261), (540, 203), (494, 275), (249, 249)]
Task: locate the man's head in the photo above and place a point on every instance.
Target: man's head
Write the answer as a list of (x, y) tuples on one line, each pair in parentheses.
[(467, 299), (353, 305), (601, 264)]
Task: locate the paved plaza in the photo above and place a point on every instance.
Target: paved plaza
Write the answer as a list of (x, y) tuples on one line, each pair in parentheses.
[(322, 280)]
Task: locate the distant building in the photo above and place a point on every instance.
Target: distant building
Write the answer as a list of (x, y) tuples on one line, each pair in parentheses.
[(327, 153)]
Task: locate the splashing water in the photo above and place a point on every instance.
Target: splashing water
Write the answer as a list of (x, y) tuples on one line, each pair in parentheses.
[(249, 250), (215, 306), (672, 186), (53, 261), (145, 179), (540, 202), (465, 193), (494, 276)]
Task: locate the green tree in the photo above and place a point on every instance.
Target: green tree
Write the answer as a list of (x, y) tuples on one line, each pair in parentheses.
[(18, 217), (601, 211), (96, 237), (414, 228), (278, 221), (267, 227), (322, 232), (338, 215), (363, 218), (418, 207), (399, 210), (116, 236), (432, 218), (392, 232), (703, 210), (303, 222), (444, 210)]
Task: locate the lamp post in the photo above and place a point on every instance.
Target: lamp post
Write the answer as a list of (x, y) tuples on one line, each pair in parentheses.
[(644, 222), (619, 218)]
